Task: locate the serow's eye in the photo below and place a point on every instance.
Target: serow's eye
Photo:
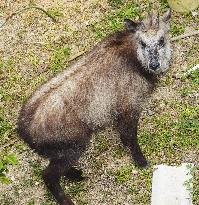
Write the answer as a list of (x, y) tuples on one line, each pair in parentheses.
[(143, 44), (162, 42)]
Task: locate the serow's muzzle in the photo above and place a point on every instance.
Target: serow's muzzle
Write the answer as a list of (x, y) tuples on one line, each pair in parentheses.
[(154, 65)]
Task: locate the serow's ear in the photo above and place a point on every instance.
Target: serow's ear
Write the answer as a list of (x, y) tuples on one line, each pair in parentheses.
[(131, 25), (166, 17)]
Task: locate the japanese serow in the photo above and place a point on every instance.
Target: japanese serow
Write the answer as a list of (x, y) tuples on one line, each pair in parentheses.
[(106, 87)]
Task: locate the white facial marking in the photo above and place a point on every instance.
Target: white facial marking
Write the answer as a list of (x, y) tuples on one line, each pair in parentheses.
[(154, 48)]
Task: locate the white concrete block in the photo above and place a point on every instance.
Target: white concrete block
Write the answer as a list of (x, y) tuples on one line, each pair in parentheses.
[(172, 185)]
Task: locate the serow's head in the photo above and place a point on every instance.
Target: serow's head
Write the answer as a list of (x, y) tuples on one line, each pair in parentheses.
[(153, 46)]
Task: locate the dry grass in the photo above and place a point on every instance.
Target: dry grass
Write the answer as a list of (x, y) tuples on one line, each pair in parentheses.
[(33, 48)]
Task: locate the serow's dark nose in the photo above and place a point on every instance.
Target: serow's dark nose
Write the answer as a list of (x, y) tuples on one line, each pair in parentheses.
[(154, 65)]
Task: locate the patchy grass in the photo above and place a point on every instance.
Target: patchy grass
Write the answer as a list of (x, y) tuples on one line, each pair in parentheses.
[(177, 29), (169, 135), (164, 4), (196, 186), (58, 59), (76, 189), (6, 128), (101, 145), (114, 21), (4, 164), (55, 12), (37, 171), (115, 3), (124, 174)]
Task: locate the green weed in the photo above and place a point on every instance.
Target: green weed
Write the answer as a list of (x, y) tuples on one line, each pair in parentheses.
[(5, 161), (177, 29), (6, 128), (58, 58), (37, 171), (114, 21), (115, 3), (184, 92), (140, 189), (196, 187), (31, 202), (102, 144), (76, 189), (124, 174), (54, 12), (163, 4)]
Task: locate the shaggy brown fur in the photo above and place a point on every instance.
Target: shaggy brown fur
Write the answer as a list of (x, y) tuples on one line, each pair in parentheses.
[(106, 87)]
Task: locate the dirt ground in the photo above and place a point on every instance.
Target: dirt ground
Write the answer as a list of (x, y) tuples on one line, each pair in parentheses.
[(34, 48)]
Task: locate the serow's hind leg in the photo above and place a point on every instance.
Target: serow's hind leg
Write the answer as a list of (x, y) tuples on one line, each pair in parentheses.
[(52, 176)]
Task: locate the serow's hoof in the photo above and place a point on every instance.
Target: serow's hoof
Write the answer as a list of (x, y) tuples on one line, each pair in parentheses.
[(74, 175), (143, 164)]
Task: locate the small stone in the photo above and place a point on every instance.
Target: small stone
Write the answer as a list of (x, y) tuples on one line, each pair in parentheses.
[(134, 172), (12, 178), (150, 112), (2, 22), (195, 13), (36, 183)]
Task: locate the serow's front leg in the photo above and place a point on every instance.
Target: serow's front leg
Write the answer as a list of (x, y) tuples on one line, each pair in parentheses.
[(128, 135)]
